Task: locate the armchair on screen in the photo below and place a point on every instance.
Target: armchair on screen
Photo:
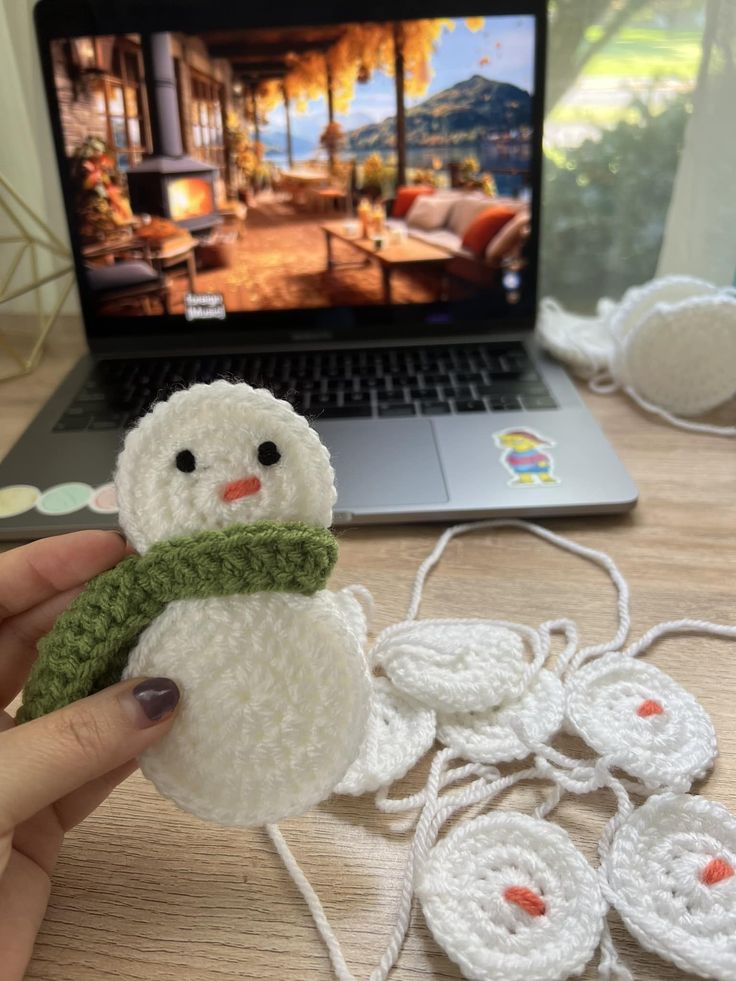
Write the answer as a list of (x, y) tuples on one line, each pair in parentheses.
[(121, 275)]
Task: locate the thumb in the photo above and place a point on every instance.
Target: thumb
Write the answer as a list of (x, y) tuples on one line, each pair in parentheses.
[(43, 760)]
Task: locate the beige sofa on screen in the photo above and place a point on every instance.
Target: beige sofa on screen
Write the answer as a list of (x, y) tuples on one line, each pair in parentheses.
[(442, 219)]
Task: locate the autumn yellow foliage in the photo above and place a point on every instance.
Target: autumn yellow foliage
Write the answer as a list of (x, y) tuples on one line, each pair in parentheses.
[(361, 50)]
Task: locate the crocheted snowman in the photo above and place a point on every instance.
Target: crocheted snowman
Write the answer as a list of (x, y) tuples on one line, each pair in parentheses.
[(226, 494)]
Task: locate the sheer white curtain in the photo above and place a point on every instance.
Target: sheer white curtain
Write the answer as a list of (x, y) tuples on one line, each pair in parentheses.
[(640, 167), (700, 234)]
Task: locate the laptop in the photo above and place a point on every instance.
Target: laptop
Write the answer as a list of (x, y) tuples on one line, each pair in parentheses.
[(343, 207)]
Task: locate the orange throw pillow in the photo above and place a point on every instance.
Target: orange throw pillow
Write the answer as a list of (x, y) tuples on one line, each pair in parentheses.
[(487, 224), (406, 196)]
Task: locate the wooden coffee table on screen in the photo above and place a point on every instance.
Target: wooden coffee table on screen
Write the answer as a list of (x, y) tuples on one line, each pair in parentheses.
[(391, 256)]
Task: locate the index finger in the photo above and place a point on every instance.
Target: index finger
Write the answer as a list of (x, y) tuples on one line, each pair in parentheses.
[(35, 572)]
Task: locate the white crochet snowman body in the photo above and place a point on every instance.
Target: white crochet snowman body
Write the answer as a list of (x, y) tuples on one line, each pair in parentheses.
[(275, 688)]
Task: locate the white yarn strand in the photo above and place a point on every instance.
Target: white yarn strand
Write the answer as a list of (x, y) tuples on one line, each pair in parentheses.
[(313, 903), (687, 424), (684, 626), (599, 558)]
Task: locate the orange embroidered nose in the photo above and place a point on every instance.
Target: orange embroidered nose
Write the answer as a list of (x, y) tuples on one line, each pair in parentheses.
[(650, 707), (716, 871), (525, 899), (240, 488)]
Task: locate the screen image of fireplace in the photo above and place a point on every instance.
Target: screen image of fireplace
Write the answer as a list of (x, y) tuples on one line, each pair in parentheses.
[(295, 168), (189, 197)]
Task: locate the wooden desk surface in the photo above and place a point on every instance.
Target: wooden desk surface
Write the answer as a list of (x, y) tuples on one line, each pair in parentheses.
[(143, 891)]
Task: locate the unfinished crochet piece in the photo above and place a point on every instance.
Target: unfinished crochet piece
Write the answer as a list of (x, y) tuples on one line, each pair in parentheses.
[(509, 896), (454, 665), (493, 736), (670, 344), (275, 688), (671, 874), (641, 721), (398, 734)]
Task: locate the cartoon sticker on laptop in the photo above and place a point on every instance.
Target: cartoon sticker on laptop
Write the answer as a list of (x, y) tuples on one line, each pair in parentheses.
[(525, 456)]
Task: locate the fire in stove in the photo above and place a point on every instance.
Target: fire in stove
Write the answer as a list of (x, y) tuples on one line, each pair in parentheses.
[(168, 183), (190, 197)]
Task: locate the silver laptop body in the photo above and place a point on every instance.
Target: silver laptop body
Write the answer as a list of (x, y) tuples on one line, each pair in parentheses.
[(481, 453)]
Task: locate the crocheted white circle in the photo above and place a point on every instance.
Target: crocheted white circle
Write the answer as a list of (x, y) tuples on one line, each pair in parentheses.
[(683, 356), (672, 872), (509, 896), (451, 666), (223, 480), (354, 615), (644, 721), (489, 736), (398, 734), (275, 699)]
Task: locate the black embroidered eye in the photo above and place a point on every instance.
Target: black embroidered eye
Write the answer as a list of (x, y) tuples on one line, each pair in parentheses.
[(185, 461), (268, 454)]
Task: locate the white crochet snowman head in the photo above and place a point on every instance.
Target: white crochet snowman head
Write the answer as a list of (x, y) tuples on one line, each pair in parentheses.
[(217, 455)]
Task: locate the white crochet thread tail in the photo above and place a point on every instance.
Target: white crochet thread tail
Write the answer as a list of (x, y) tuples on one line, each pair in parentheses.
[(642, 721), (670, 873), (456, 665), (509, 896), (398, 734), (601, 559), (491, 736)]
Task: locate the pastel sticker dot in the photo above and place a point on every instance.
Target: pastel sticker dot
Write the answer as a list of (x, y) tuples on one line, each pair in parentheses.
[(64, 498), (17, 499), (104, 500)]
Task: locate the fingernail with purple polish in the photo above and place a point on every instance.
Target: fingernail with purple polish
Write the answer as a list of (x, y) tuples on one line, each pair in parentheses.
[(157, 697)]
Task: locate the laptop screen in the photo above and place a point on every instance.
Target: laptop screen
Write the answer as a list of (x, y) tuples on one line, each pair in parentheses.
[(346, 172)]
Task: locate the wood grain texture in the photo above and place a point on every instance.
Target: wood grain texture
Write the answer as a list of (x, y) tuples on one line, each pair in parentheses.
[(143, 891)]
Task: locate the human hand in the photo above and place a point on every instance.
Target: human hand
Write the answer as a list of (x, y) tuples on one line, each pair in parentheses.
[(56, 770)]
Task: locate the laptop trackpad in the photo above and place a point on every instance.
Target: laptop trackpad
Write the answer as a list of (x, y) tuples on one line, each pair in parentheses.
[(384, 464)]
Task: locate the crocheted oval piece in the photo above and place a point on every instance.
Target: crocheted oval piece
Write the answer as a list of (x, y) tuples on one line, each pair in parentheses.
[(509, 896), (490, 736), (398, 734), (672, 872), (453, 666), (648, 724), (690, 376), (276, 696)]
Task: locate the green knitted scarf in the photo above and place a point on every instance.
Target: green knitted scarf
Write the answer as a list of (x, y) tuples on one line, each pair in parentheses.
[(88, 647)]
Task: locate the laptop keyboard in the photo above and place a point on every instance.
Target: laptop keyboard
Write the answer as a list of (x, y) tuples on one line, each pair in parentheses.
[(345, 384)]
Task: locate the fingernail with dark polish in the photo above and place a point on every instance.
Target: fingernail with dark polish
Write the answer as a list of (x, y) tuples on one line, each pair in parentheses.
[(157, 697)]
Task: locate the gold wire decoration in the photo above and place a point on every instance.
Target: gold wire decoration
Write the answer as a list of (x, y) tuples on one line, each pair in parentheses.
[(29, 237)]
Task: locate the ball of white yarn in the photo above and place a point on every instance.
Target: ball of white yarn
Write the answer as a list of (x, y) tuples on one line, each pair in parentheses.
[(491, 736), (641, 719), (509, 896), (453, 666), (670, 871)]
